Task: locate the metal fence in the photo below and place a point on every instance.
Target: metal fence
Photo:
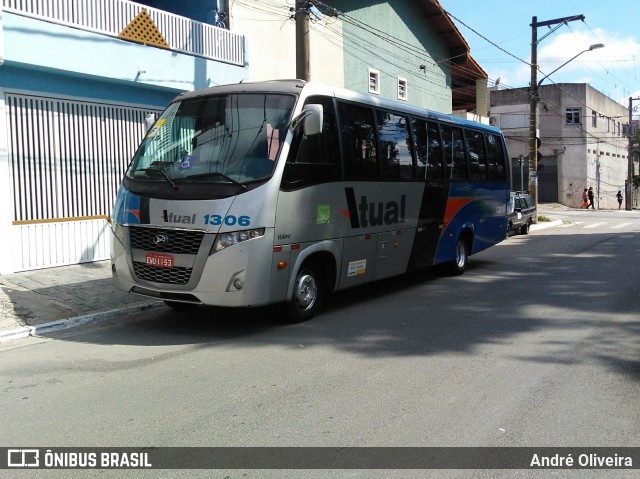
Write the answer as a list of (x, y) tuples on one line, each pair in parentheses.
[(66, 161), (110, 17)]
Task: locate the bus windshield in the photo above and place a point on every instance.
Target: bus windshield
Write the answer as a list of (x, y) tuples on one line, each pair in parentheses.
[(233, 138)]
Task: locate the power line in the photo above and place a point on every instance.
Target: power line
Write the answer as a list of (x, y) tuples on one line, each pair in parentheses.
[(486, 39)]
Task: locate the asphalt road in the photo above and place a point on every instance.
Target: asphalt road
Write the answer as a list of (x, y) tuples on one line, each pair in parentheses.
[(537, 344)]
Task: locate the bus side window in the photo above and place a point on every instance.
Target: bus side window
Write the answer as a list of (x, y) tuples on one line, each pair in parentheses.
[(395, 144), (429, 149), (496, 157), (359, 141), (314, 159), (454, 157), (477, 155), (434, 160)]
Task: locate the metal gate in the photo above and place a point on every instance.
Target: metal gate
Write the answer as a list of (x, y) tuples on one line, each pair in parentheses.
[(548, 179), (66, 160), (520, 173)]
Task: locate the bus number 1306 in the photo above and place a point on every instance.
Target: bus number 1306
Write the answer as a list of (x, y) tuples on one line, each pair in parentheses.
[(230, 220)]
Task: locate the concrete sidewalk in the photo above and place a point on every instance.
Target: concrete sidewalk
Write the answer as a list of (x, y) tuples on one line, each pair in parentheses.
[(45, 300), (39, 301)]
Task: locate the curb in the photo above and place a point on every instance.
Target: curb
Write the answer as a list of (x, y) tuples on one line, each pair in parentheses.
[(26, 331)]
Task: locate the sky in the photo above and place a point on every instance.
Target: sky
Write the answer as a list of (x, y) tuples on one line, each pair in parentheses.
[(505, 49)]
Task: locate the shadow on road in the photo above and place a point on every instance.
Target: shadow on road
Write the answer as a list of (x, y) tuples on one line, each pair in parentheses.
[(570, 289)]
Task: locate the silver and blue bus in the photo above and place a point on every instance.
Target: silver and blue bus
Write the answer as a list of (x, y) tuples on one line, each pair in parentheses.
[(286, 191)]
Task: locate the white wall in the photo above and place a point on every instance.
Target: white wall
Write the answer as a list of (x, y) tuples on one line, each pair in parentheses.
[(600, 159), (6, 232), (587, 156), (271, 44)]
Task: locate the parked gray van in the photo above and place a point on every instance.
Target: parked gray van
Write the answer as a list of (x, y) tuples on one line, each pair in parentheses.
[(520, 213)]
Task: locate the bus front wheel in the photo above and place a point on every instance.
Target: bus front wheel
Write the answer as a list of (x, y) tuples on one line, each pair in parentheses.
[(308, 292)]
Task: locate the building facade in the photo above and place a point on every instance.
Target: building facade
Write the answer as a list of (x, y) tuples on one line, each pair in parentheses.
[(404, 51), (582, 142), (81, 80)]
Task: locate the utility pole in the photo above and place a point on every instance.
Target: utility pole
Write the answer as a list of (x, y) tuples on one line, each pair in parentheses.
[(534, 97), (302, 40), (533, 117), (628, 203)]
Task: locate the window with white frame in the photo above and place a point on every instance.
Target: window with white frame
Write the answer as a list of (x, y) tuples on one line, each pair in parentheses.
[(594, 118), (402, 88), (374, 81), (572, 116)]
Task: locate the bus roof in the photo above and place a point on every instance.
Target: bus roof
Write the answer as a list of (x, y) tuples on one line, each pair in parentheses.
[(297, 87)]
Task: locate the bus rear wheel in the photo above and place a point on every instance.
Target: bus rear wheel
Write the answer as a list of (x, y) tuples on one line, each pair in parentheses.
[(459, 264), (308, 293)]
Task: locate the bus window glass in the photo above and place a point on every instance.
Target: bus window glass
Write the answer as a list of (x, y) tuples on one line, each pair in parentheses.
[(454, 158), (420, 135), (359, 141), (477, 155), (395, 145), (434, 152), (495, 155), (314, 159), (215, 138), (429, 150)]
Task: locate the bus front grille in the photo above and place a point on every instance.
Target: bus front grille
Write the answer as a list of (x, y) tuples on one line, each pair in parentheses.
[(173, 241), (175, 275)]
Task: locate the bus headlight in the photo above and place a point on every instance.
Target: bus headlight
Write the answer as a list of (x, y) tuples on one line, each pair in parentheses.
[(224, 240)]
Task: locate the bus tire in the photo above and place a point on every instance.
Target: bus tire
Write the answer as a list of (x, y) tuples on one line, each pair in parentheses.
[(459, 264), (308, 293)]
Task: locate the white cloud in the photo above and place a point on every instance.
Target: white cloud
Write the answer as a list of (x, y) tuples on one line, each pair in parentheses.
[(613, 70)]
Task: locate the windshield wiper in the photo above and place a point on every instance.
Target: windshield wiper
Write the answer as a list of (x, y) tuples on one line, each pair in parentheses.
[(166, 177), (215, 174)]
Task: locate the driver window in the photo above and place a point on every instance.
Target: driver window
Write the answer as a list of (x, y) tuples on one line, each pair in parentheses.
[(314, 159)]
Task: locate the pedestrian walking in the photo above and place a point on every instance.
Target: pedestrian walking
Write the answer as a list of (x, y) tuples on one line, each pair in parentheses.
[(585, 199), (590, 196), (619, 196)]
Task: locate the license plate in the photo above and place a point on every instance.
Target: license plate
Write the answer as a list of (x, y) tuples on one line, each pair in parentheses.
[(159, 260)]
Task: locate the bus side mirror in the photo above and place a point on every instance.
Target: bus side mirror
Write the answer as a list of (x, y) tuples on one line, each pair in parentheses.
[(311, 119)]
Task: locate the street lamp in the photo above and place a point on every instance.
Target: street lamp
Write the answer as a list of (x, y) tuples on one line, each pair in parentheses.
[(592, 47), (534, 96)]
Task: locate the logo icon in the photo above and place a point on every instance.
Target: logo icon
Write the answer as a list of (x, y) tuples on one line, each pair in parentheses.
[(160, 240), (23, 457)]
